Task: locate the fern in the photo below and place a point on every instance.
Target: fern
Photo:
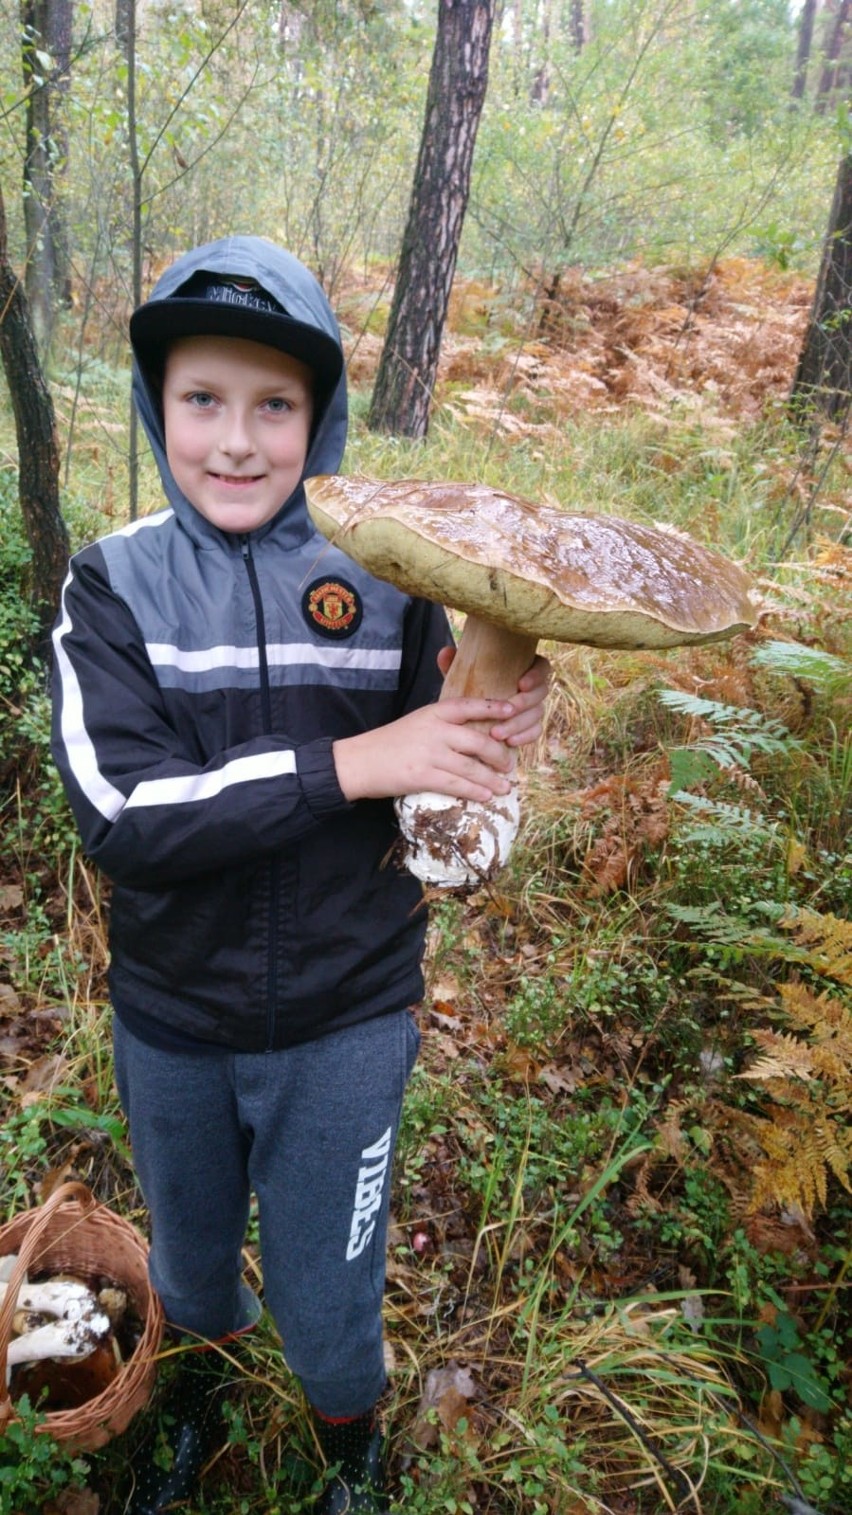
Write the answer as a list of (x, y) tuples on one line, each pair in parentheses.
[(825, 940), (737, 732), (821, 943), (719, 823), (811, 665), (801, 1137), (806, 1075)]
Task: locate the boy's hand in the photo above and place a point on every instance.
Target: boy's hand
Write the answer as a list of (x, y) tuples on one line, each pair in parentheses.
[(438, 747), (525, 725)]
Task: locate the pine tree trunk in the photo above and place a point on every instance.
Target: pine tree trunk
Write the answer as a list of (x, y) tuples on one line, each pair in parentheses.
[(38, 447), (803, 50), (540, 90), (457, 83), (124, 20), (47, 26), (824, 372), (830, 80), (577, 25)]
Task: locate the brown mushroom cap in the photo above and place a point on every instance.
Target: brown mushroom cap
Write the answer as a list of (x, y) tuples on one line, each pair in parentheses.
[(565, 577)]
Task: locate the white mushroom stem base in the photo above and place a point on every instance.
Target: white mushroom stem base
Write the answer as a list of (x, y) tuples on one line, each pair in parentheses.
[(460, 844)]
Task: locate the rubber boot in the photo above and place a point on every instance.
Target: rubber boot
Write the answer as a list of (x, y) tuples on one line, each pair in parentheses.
[(168, 1466), (353, 1448)]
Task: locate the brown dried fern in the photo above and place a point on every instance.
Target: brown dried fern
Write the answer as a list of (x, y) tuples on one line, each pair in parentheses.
[(827, 940), (806, 1073)]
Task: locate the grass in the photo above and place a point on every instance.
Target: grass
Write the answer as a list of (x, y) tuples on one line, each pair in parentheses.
[(585, 1313)]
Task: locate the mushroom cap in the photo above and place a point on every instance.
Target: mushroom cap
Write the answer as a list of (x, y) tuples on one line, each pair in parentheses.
[(548, 573)]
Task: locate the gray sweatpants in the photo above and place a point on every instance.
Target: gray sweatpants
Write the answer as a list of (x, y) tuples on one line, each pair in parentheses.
[(311, 1130)]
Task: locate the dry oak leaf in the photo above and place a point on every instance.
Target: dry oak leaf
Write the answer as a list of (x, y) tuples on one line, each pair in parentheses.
[(449, 1391)]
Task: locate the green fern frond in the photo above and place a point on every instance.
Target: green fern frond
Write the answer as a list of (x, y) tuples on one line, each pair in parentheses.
[(721, 821), (810, 664), (742, 722), (737, 734), (734, 934)]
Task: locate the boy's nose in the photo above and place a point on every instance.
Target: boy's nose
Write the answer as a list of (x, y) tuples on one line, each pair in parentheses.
[(235, 438)]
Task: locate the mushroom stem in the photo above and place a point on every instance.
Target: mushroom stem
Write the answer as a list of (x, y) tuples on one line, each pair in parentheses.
[(60, 1338), (61, 1297), (460, 844), (489, 661)]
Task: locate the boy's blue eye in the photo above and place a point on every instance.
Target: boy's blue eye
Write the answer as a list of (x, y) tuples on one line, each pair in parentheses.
[(276, 404), (201, 398)]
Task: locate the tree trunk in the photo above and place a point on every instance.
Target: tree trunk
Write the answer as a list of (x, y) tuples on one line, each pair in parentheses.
[(46, 61), (457, 83), (541, 78), (577, 24), (38, 446), (803, 50), (123, 22), (824, 372), (830, 79), (137, 173)]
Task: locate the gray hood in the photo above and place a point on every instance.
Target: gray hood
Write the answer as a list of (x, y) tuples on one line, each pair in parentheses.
[(296, 289)]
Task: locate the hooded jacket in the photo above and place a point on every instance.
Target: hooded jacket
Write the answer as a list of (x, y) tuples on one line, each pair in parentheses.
[(200, 679)]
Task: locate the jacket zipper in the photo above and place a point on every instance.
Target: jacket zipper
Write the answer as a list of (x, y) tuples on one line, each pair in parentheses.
[(266, 717)]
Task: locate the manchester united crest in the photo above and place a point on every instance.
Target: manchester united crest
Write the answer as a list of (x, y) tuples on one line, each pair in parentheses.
[(333, 608)]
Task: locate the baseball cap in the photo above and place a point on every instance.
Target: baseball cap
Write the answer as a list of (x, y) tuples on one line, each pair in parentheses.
[(224, 305)]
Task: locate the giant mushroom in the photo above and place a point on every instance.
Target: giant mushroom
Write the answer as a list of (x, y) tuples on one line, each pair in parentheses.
[(521, 573)]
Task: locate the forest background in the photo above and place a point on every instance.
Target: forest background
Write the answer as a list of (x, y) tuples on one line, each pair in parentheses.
[(619, 1268)]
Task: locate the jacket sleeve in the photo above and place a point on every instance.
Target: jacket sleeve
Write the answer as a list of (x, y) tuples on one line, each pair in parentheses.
[(147, 814)]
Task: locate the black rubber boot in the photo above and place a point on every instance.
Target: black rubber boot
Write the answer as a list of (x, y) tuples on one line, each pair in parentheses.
[(168, 1466), (353, 1449)]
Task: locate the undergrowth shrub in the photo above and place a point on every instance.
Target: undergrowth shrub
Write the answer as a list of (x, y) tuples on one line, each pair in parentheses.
[(34, 1468)]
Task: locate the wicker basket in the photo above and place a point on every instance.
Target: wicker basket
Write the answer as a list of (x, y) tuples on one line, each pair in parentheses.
[(72, 1232)]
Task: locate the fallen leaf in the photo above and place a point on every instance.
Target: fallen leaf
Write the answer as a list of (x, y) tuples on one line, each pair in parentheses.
[(448, 1391), (692, 1310), (74, 1502), (44, 1074), (519, 1063), (557, 1080), (9, 1001)]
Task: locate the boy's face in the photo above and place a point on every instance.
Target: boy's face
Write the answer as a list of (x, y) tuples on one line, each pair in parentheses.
[(237, 419)]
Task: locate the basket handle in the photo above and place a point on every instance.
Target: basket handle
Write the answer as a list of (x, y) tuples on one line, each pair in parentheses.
[(27, 1251)]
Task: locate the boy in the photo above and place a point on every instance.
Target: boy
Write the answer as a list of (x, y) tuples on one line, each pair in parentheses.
[(235, 704)]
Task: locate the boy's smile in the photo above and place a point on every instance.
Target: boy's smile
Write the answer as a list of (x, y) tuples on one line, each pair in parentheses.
[(237, 419)]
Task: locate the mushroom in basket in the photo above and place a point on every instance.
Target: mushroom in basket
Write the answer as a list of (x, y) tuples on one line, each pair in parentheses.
[(63, 1349)]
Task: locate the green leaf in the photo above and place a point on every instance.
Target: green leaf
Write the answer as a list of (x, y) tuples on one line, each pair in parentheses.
[(689, 767), (806, 1381)]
